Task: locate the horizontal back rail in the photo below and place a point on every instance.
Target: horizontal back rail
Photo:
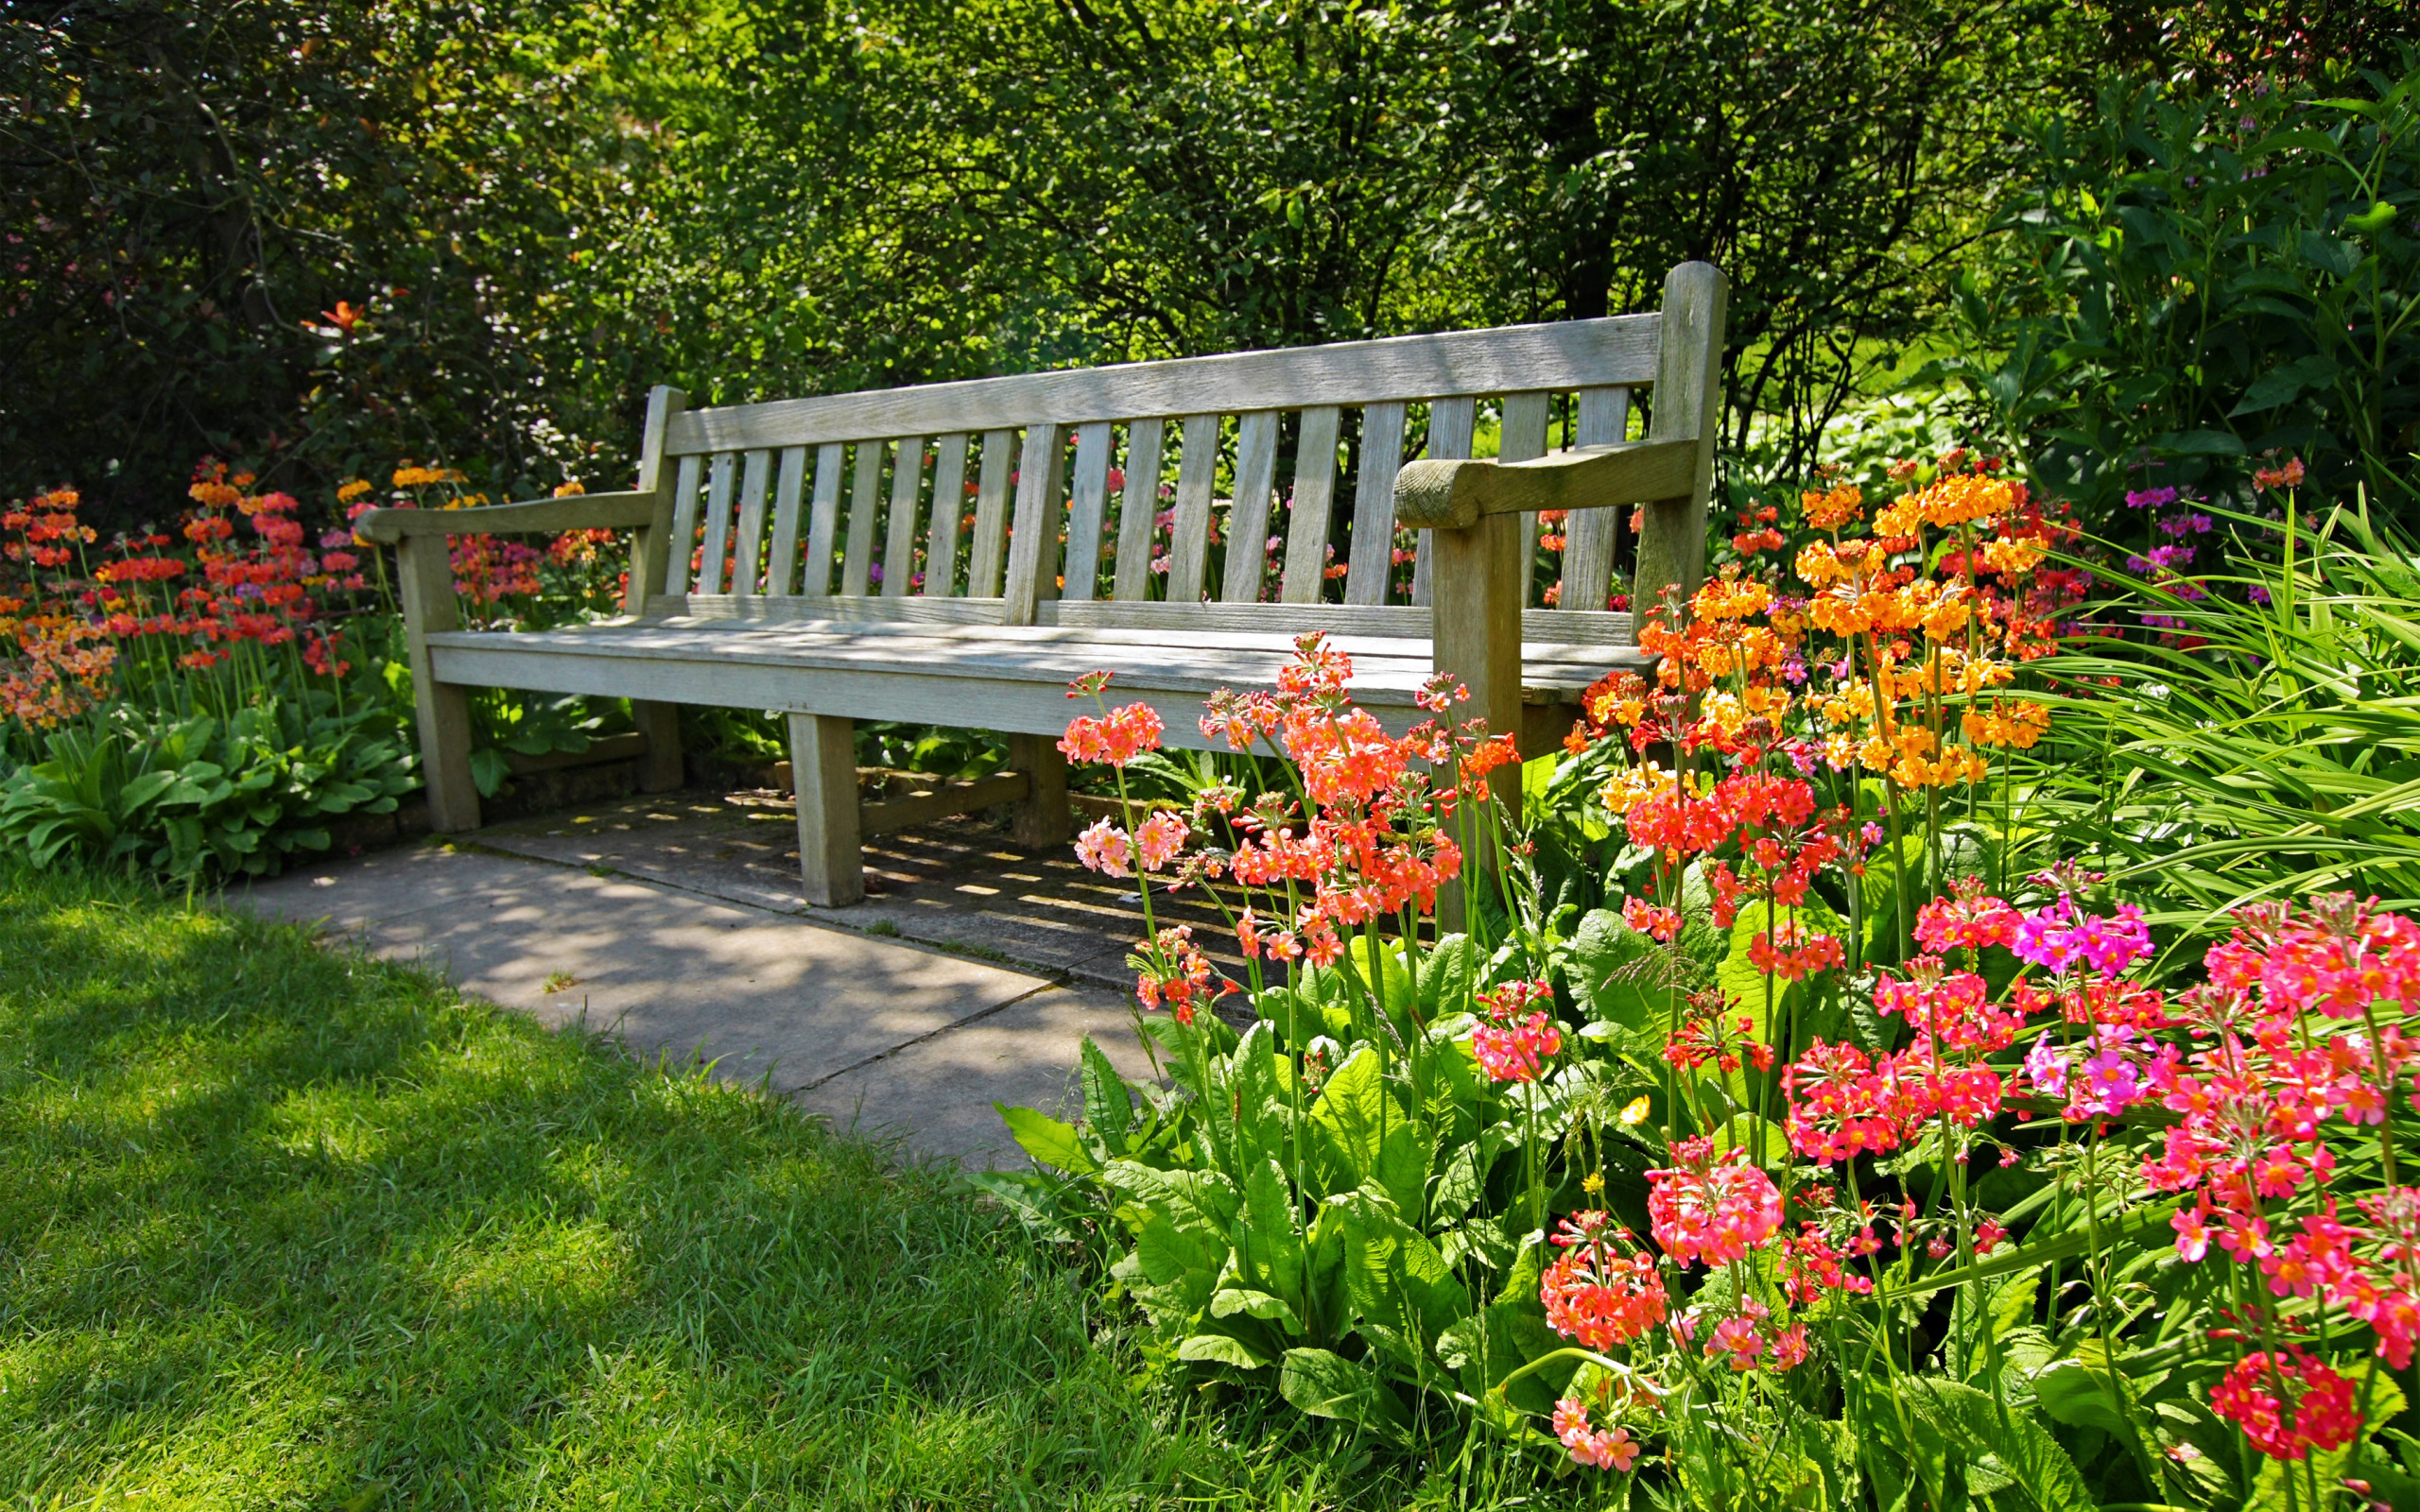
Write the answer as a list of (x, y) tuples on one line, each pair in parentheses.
[(1562, 354)]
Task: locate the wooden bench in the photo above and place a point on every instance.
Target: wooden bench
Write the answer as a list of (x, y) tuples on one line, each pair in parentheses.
[(820, 557)]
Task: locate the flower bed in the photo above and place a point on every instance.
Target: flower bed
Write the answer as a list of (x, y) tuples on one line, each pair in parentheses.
[(1861, 1148)]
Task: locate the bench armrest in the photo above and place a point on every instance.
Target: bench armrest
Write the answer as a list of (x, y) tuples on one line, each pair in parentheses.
[(1455, 495), (577, 511)]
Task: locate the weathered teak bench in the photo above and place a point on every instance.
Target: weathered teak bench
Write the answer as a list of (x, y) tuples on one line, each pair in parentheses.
[(810, 594)]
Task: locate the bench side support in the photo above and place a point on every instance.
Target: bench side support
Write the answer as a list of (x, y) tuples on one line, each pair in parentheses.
[(824, 774), (1475, 602), (1689, 404), (660, 769), (1477, 611), (1042, 816), (426, 571)]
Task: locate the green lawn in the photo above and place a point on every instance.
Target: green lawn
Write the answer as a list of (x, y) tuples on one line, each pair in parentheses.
[(283, 1228)]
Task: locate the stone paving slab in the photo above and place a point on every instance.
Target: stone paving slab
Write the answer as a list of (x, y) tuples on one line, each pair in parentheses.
[(900, 1039)]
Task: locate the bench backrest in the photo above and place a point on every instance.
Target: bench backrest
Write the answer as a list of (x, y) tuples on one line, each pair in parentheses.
[(1200, 491)]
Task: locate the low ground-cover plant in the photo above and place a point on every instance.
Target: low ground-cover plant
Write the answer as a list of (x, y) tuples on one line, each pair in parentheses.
[(1848, 1159)]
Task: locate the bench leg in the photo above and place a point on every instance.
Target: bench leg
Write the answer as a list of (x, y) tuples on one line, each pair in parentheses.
[(426, 577), (1042, 816), (659, 769), (824, 774)]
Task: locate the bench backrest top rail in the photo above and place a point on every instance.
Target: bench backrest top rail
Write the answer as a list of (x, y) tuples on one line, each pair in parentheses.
[(1508, 359), (1261, 478)]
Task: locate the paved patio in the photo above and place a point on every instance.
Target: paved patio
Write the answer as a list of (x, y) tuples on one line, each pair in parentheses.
[(674, 922)]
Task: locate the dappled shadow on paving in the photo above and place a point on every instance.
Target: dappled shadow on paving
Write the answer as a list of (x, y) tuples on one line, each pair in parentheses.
[(959, 882)]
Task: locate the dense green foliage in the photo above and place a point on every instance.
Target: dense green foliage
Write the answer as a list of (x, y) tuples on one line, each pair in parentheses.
[(324, 237), (2184, 282)]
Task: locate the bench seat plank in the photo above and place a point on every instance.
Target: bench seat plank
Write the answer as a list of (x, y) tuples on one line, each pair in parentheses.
[(1012, 680)]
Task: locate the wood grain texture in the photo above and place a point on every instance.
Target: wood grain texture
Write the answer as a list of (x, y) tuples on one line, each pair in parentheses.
[(426, 574), (1042, 506), (985, 552), (862, 610), (865, 493), (687, 479), (1087, 510), (780, 562), (1247, 518), (1523, 438), (748, 536), (1371, 559), (1601, 417), (1478, 628), (949, 507), (823, 775), (1562, 354), (824, 519), (1041, 817), (591, 511), (1138, 511), (1435, 495), (710, 563), (652, 539), (1310, 512), (659, 725), (1197, 475), (1594, 636), (1671, 544), (899, 539), (1452, 424)]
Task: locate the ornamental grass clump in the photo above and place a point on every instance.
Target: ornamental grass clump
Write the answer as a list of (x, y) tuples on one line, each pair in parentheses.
[(1841, 1159)]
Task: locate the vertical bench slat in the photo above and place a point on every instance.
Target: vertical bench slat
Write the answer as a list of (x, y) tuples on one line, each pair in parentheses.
[(1689, 402), (1087, 510), (1138, 511), (899, 539), (1033, 544), (1373, 504), (1525, 439), (1248, 522), (749, 544), (991, 516), (685, 525), (949, 502), (782, 570), (1589, 535), (1197, 474), (865, 484), (1309, 512), (710, 568), (1452, 424), (824, 519)]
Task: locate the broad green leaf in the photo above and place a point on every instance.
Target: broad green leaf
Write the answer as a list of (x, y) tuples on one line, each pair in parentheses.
[(1108, 1107), (1221, 1349), (1370, 1133), (1047, 1141), (1392, 1274), (1621, 976), (1326, 1385), (1269, 1250), (2038, 1469), (1233, 1301), (1449, 972)]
